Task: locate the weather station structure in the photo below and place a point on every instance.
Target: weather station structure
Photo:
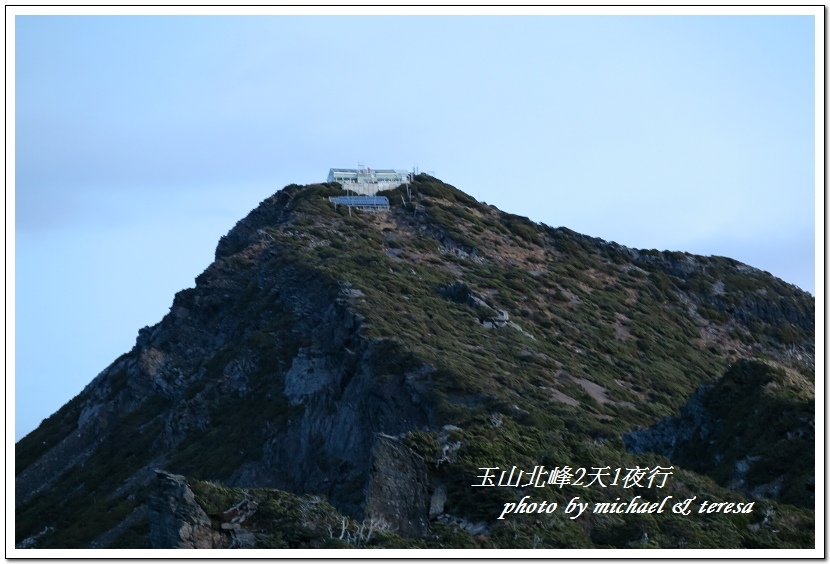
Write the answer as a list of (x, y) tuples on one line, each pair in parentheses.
[(365, 183)]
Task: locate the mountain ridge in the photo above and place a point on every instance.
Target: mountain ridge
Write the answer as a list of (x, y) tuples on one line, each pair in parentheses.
[(315, 329)]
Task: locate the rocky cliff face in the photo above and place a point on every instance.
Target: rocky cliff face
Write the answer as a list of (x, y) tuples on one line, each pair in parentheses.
[(378, 361), (177, 521)]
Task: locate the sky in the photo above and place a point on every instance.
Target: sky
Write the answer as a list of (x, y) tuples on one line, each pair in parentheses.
[(139, 141)]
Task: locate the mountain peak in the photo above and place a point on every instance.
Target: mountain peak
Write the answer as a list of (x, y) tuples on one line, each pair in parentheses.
[(381, 359)]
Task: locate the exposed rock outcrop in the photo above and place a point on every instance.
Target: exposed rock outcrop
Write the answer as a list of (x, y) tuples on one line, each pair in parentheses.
[(397, 491), (176, 520), (672, 435)]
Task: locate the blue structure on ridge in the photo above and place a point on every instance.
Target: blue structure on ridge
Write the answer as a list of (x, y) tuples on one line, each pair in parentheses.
[(368, 203)]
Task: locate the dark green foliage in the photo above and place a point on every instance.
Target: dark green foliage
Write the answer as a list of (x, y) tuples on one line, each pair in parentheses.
[(522, 228), (284, 520), (392, 358), (136, 536), (49, 433), (767, 418), (426, 185), (80, 508), (713, 314), (423, 443)]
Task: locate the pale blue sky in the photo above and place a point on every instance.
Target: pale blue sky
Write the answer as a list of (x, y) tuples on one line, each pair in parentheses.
[(141, 140)]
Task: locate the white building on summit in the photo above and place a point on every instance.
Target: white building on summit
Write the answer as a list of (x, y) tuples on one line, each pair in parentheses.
[(364, 180)]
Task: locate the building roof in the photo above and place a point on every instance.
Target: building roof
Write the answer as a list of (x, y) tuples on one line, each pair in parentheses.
[(379, 171)]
